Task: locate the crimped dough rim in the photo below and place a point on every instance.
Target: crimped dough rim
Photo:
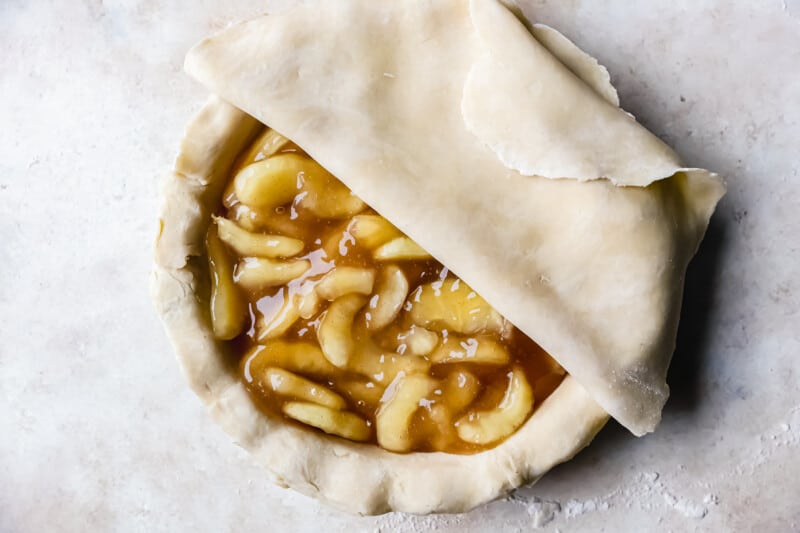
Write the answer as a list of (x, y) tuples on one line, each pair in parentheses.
[(358, 478)]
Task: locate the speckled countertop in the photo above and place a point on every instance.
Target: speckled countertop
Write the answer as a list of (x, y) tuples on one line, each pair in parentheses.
[(98, 431)]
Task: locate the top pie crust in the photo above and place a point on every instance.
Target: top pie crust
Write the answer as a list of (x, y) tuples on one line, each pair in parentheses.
[(598, 285)]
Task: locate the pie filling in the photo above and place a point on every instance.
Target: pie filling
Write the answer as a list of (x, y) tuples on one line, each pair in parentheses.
[(340, 322)]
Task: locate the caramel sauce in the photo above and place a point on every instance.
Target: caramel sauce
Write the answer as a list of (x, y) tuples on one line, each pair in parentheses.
[(328, 245)]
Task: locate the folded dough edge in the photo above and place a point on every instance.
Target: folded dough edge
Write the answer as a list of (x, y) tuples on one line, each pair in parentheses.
[(435, 114)]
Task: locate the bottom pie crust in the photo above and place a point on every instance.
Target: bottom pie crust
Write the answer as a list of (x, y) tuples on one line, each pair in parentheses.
[(359, 478)]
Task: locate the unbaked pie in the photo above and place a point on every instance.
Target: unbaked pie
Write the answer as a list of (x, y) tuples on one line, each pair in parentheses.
[(448, 256)]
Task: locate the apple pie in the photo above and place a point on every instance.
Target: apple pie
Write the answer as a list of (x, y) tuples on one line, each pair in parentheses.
[(413, 254)]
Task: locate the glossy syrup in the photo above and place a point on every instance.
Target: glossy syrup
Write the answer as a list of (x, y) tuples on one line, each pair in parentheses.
[(329, 245)]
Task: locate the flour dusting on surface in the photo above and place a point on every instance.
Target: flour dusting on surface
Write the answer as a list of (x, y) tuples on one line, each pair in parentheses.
[(542, 512), (392, 522), (637, 495), (651, 488), (781, 435), (576, 508)]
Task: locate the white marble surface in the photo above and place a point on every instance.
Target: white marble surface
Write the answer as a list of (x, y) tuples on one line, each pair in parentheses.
[(98, 431)]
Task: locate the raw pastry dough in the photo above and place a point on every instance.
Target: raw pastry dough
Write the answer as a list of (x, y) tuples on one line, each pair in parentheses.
[(354, 477), (591, 271), (506, 158)]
